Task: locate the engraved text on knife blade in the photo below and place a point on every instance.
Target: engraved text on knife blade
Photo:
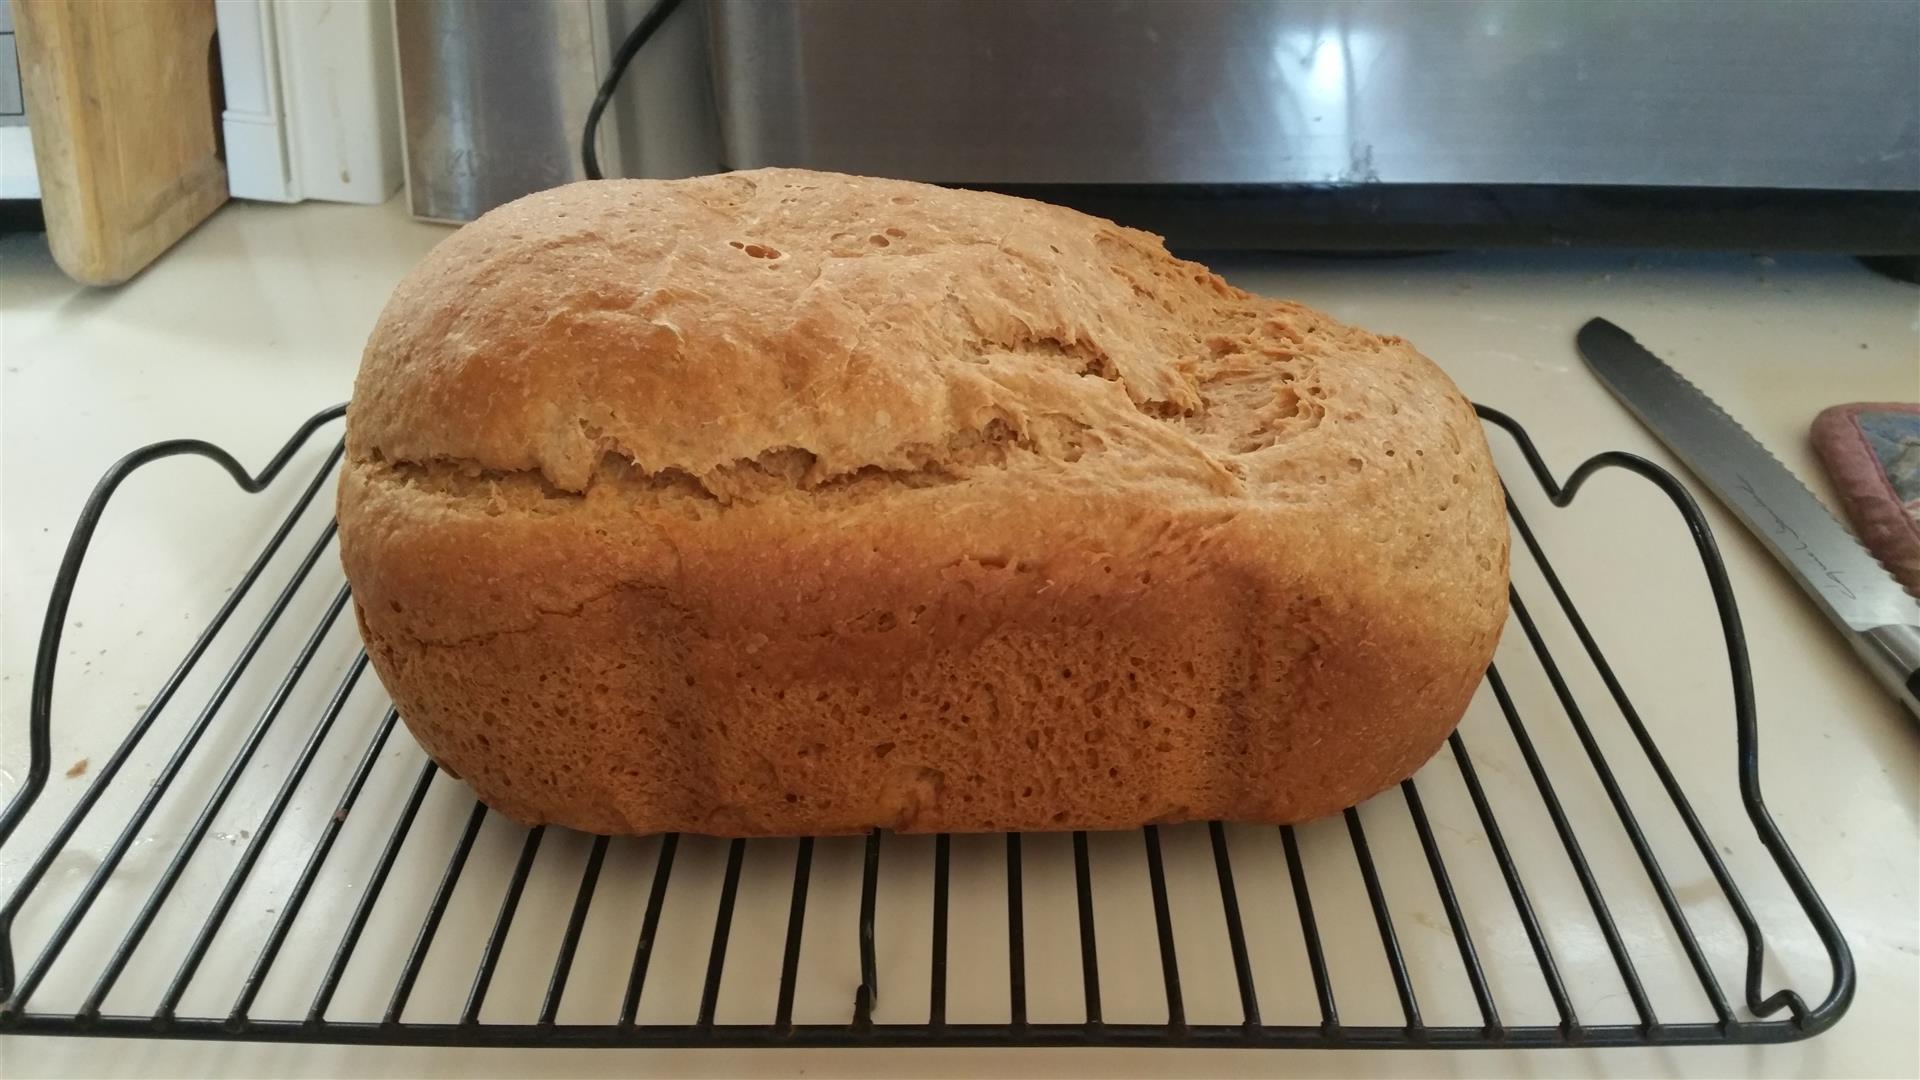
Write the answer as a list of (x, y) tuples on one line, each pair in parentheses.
[(1782, 528)]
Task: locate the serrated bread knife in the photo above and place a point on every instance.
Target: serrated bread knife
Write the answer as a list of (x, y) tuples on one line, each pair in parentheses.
[(1880, 619)]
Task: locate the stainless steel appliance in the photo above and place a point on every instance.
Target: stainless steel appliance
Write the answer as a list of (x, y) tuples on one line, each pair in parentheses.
[(1688, 94), (1359, 122), (492, 95), (1331, 124)]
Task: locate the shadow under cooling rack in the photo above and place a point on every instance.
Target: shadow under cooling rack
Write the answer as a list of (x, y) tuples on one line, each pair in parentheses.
[(290, 867)]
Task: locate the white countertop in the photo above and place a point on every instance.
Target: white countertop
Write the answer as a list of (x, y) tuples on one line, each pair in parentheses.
[(256, 321)]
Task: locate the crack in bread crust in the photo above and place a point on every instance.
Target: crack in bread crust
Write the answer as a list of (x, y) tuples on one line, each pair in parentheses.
[(1050, 439)]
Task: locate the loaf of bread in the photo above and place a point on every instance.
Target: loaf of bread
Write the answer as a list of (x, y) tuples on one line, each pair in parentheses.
[(784, 502)]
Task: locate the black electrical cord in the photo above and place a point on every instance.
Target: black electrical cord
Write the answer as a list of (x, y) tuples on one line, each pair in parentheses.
[(622, 57)]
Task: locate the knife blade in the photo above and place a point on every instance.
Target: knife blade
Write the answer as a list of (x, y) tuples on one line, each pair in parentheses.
[(1880, 619)]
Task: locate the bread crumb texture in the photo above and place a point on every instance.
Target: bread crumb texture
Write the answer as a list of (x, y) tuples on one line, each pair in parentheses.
[(784, 502)]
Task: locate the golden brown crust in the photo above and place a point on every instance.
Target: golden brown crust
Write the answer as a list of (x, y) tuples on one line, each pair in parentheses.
[(783, 502)]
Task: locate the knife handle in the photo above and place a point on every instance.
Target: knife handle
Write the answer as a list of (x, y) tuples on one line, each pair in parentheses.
[(1893, 652)]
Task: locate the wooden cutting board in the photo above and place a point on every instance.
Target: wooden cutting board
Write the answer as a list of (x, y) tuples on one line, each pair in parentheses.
[(123, 100)]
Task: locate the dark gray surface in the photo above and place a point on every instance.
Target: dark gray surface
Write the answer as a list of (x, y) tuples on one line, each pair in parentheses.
[(12, 108), (1721, 93)]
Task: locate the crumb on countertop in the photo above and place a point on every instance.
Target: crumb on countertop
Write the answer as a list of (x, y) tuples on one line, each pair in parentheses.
[(78, 768)]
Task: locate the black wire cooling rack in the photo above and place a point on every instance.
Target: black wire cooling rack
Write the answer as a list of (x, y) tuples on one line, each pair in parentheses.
[(826, 908)]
